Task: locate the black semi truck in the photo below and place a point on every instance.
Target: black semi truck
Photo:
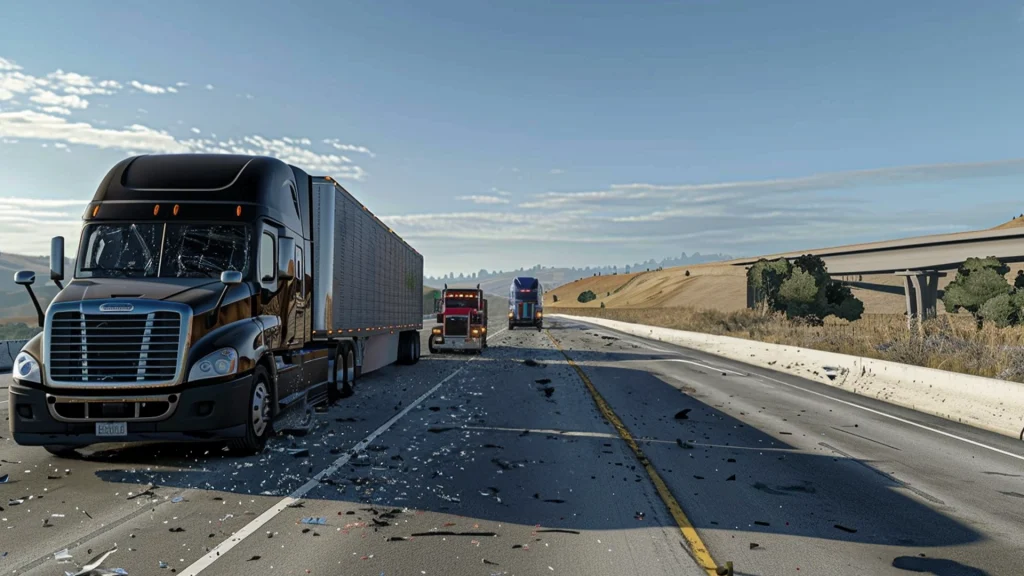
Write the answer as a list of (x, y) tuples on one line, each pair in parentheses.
[(209, 293)]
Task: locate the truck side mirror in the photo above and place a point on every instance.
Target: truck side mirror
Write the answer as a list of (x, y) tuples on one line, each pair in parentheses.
[(230, 277), (285, 258), (57, 260), (27, 278)]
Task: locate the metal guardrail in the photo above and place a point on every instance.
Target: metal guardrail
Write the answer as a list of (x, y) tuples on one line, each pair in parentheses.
[(8, 350)]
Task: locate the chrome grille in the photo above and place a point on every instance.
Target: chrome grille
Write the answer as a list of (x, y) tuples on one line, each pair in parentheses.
[(114, 348), (456, 326)]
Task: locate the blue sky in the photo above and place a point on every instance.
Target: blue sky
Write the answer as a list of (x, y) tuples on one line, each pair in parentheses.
[(573, 133)]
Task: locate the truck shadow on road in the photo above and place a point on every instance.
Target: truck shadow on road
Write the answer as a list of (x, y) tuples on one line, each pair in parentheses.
[(493, 446)]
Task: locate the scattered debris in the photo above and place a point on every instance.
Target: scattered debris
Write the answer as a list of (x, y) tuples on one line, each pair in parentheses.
[(683, 414), (549, 391), (298, 504), (396, 539), (564, 531), (177, 499), (62, 556), (437, 429), (449, 533), (786, 433), (46, 523), (488, 562), (298, 452), (846, 529), (555, 501), (4, 478), (254, 558), (698, 477), (162, 564), (176, 530), (543, 381), (762, 523), (733, 460), (731, 478), (434, 408), (314, 520), (92, 567), (754, 545), (147, 492), (684, 445), (532, 363), (15, 501), (639, 516), (297, 431)]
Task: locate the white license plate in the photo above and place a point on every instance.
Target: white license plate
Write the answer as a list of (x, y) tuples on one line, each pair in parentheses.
[(111, 428)]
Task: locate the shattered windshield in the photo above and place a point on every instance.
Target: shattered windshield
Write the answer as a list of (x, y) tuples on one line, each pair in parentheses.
[(186, 251), (204, 251), (120, 250)]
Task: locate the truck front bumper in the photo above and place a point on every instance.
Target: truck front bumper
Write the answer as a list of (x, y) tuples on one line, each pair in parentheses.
[(515, 322), (456, 343), (198, 413)]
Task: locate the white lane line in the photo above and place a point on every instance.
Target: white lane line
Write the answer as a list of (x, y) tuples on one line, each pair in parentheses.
[(705, 366), (898, 419), (250, 528)]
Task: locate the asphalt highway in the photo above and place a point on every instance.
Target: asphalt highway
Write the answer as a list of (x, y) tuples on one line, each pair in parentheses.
[(505, 464)]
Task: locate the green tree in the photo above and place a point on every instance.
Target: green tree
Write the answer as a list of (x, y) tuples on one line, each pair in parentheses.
[(554, 297), (1018, 282), (1001, 310), (977, 281), (801, 295), (766, 278), (602, 304), (586, 296)]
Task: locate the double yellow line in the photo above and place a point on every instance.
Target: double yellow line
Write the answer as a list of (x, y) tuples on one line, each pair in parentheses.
[(697, 548)]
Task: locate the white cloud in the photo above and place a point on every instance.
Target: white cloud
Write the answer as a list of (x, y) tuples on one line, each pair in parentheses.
[(483, 199), (172, 89), (500, 192), (147, 88), (181, 84), (112, 84), (557, 171), (196, 130), (338, 145), (41, 202), (31, 125), (59, 145), (209, 86), (49, 98), (6, 64)]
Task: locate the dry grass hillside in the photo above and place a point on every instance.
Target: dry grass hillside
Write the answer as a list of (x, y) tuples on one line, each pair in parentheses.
[(722, 287)]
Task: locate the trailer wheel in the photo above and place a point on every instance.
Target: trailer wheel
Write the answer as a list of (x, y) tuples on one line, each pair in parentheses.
[(350, 370), (407, 343), (259, 420), (510, 326), (419, 347), (339, 386)]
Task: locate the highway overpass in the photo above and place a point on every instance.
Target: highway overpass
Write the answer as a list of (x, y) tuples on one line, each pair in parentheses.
[(938, 252), (920, 261)]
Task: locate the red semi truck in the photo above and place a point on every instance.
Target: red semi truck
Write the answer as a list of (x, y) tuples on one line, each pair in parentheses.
[(463, 321)]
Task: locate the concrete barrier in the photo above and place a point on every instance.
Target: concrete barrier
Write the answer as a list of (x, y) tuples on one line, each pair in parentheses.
[(986, 403), (8, 350)]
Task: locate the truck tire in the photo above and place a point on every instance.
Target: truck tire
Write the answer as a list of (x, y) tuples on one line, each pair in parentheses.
[(349, 380), (419, 347), (408, 344), (339, 387), (259, 421), (59, 451)]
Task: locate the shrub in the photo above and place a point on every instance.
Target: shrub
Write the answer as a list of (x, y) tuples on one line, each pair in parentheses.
[(687, 274), (554, 297), (802, 289), (977, 281), (586, 296), (602, 304)]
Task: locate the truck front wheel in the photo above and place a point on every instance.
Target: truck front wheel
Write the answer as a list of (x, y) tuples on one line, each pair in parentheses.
[(62, 451), (259, 423)]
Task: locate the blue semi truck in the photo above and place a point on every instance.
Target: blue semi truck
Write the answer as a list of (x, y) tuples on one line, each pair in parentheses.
[(526, 303)]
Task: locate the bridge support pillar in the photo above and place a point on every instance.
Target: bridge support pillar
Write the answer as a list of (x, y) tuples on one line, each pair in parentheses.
[(921, 288)]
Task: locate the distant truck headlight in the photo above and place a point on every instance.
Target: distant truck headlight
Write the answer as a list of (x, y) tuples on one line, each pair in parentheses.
[(539, 314), (26, 368), (509, 314), (476, 331), (436, 331), (219, 363)]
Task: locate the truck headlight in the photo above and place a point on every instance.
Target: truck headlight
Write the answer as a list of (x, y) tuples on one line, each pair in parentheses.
[(219, 363), (435, 331), (539, 314), (509, 314), (476, 331), (26, 368)]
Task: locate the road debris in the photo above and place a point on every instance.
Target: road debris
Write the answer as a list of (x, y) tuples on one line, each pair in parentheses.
[(254, 558), (177, 499), (846, 529), (683, 445), (731, 478), (298, 452), (314, 520), (449, 533), (683, 414), (533, 363), (543, 381), (5, 478), (62, 556), (176, 530), (762, 523), (549, 391), (754, 545), (147, 492), (563, 530)]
